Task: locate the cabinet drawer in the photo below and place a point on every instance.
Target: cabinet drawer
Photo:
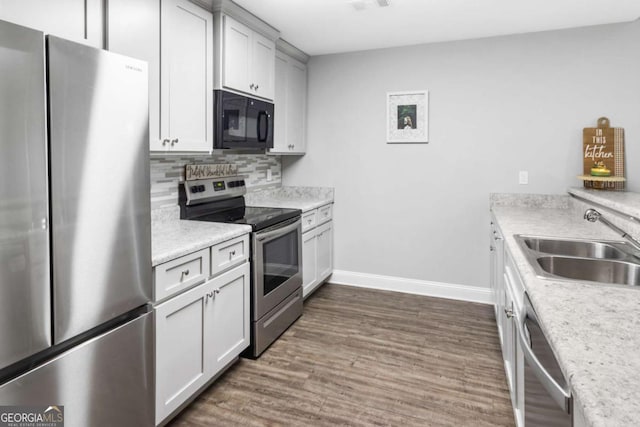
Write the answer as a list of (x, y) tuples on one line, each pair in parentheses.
[(228, 254), (180, 273), (325, 213), (309, 220)]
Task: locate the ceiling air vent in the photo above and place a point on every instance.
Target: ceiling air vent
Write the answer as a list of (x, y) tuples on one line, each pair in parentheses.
[(363, 4)]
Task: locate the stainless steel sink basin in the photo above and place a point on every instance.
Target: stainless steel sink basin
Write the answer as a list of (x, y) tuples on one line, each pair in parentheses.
[(578, 248), (593, 270), (601, 261)]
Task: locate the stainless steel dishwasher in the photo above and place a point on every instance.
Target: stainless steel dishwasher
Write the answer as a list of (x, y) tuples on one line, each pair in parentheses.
[(547, 398)]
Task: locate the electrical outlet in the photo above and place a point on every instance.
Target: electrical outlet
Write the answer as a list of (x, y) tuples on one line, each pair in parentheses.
[(523, 177)]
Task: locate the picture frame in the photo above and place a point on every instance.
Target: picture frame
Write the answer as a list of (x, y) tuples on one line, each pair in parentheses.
[(408, 117)]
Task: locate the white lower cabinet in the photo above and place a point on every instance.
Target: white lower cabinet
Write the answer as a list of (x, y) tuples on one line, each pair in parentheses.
[(309, 262), (228, 319), (507, 290), (197, 334), (317, 249), (325, 250)]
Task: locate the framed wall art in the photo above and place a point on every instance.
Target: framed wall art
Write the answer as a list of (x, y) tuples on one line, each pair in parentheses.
[(408, 117)]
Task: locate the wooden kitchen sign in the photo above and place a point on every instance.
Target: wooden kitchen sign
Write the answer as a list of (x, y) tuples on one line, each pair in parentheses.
[(214, 170), (603, 152)]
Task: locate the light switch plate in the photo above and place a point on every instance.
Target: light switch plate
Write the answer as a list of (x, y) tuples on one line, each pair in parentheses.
[(523, 177)]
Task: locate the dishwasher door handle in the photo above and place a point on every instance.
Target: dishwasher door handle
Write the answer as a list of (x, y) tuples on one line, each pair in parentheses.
[(559, 395)]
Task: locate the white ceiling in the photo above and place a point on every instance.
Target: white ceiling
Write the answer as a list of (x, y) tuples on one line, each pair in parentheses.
[(331, 26)]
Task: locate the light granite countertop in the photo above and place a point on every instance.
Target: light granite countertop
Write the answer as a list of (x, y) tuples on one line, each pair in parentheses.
[(303, 198), (173, 238), (594, 330), (625, 202)]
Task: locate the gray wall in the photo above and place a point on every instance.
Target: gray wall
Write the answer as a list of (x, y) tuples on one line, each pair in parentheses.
[(497, 106)]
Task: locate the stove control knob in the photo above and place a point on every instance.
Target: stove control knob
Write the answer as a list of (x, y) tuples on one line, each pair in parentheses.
[(194, 189), (201, 188), (241, 183), (232, 184)]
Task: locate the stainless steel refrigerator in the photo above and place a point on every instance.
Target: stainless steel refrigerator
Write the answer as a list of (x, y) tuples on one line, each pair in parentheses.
[(75, 238)]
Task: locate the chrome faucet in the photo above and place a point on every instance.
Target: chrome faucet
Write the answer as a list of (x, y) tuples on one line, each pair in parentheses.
[(593, 215)]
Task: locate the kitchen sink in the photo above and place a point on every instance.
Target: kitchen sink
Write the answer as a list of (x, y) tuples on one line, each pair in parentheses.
[(601, 261), (579, 248), (593, 270)]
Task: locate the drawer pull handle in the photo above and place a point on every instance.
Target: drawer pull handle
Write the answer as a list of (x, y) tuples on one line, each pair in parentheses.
[(184, 273), (217, 291)]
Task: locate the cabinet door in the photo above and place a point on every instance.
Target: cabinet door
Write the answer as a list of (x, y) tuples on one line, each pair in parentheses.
[(186, 96), (262, 64), (228, 318), (325, 250), (236, 54), (309, 262), (133, 29), (180, 352), (297, 106), (77, 20), (280, 101)]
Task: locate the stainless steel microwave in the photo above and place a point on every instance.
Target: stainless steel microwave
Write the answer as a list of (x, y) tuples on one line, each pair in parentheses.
[(242, 122)]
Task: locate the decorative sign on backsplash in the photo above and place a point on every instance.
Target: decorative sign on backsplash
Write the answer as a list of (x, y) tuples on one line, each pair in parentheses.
[(603, 156), (205, 171)]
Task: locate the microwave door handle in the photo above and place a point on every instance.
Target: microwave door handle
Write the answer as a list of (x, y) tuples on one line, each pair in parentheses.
[(261, 114), (268, 129), (555, 390)]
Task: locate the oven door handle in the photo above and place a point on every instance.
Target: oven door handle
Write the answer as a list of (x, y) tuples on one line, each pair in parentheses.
[(555, 390), (278, 229)]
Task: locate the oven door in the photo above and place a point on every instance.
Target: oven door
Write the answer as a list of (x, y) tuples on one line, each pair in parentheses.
[(277, 266)]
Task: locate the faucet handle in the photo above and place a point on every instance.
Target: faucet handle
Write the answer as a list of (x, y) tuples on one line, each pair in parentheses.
[(592, 215)]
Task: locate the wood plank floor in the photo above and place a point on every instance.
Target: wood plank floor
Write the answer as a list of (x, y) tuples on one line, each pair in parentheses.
[(361, 357)]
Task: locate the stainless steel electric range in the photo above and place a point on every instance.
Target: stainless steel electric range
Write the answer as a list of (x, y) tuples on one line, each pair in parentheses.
[(276, 252)]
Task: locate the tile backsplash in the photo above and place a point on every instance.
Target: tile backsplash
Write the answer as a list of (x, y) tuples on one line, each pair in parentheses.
[(168, 170)]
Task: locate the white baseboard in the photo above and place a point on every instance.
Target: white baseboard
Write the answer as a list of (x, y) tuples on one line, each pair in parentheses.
[(412, 286)]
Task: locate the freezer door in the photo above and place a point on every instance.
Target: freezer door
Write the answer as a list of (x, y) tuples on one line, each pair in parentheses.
[(106, 381), (100, 206), (25, 313)]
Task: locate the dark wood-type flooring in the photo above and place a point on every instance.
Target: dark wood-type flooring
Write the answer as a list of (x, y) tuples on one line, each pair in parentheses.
[(363, 357)]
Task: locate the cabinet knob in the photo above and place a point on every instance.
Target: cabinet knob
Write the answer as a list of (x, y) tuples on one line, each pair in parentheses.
[(165, 142), (174, 141), (217, 291), (508, 312), (251, 86), (256, 88)]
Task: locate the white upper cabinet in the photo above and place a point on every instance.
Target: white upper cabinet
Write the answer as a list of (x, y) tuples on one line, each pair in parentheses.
[(291, 106), (133, 29), (77, 20), (237, 49), (186, 86), (263, 65), (247, 60)]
